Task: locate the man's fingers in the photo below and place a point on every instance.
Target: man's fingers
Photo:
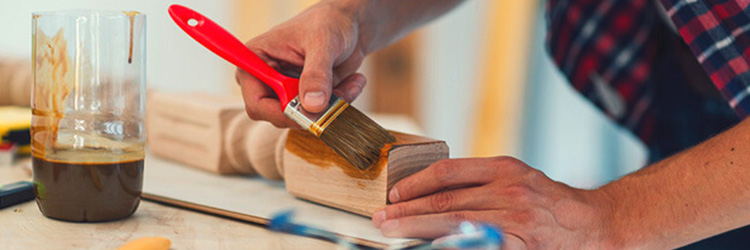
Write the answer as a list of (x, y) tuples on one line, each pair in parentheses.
[(513, 242), (422, 226), (506, 198), (316, 81), (351, 87), (261, 102), (433, 225), (441, 202), (437, 225), (269, 109), (346, 68), (441, 175)]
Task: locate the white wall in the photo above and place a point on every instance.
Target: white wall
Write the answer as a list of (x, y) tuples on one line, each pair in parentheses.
[(562, 133), (175, 61), (449, 73)]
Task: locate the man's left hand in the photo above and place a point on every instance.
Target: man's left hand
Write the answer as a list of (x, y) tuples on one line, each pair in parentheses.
[(533, 211)]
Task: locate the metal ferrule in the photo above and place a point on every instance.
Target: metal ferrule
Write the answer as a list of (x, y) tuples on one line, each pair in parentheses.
[(316, 123)]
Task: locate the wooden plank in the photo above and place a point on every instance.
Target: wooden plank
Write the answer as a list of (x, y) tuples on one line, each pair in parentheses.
[(191, 128)]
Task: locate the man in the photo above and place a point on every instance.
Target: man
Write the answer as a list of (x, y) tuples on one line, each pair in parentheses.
[(617, 53)]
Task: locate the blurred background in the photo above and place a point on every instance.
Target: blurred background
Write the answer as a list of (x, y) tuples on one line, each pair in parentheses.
[(478, 78)]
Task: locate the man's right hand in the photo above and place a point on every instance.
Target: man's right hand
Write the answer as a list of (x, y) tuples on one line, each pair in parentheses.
[(322, 47)]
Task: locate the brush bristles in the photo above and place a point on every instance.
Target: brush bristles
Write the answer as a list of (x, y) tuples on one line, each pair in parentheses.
[(356, 138)]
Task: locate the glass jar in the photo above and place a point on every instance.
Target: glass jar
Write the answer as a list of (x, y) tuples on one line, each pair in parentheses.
[(88, 105)]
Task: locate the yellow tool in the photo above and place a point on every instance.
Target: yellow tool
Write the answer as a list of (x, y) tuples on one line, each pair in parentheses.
[(147, 243), (14, 127)]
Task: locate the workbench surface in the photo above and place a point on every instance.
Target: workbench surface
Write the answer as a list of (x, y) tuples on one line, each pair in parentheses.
[(24, 227)]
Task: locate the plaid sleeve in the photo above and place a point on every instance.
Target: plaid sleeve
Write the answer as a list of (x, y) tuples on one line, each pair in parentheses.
[(717, 33)]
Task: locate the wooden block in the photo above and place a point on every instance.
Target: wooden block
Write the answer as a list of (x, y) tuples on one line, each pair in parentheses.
[(314, 172), (213, 133), (191, 129)]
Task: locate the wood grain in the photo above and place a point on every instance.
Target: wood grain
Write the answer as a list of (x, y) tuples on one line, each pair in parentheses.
[(314, 172), (234, 143), (190, 129), (211, 132), (260, 145)]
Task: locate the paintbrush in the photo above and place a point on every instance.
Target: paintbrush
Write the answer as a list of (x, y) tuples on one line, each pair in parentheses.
[(282, 222), (350, 133)]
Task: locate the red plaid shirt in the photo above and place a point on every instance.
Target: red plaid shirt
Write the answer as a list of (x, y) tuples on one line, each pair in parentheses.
[(606, 48)]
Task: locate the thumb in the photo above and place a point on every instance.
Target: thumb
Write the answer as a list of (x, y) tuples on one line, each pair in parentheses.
[(316, 81)]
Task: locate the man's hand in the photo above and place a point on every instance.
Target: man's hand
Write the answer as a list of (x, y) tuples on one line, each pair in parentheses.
[(321, 47), (533, 211), (325, 45)]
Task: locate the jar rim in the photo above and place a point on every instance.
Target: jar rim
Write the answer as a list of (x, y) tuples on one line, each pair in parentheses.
[(86, 12)]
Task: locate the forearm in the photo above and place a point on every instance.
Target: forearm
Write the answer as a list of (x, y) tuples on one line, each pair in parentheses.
[(690, 196), (381, 22)]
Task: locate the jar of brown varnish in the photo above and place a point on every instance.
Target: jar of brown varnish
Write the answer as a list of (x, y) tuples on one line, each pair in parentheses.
[(88, 105), (87, 191)]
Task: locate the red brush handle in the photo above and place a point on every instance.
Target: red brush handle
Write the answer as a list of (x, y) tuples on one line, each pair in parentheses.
[(224, 44)]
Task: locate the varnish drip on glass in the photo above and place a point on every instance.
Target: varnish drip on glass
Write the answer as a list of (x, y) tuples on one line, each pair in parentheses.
[(131, 17), (53, 82)]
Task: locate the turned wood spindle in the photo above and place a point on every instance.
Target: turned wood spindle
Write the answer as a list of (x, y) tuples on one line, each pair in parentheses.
[(214, 134)]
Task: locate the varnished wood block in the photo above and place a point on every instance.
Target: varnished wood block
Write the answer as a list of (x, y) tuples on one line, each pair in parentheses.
[(314, 172)]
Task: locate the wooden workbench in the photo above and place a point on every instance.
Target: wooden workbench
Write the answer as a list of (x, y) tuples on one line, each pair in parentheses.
[(24, 227)]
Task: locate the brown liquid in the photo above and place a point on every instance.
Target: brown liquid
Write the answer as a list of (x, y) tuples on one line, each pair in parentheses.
[(87, 191)]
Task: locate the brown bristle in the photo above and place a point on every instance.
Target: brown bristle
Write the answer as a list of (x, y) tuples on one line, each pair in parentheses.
[(356, 138)]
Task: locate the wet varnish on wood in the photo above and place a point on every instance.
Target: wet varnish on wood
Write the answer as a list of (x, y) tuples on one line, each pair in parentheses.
[(314, 172)]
